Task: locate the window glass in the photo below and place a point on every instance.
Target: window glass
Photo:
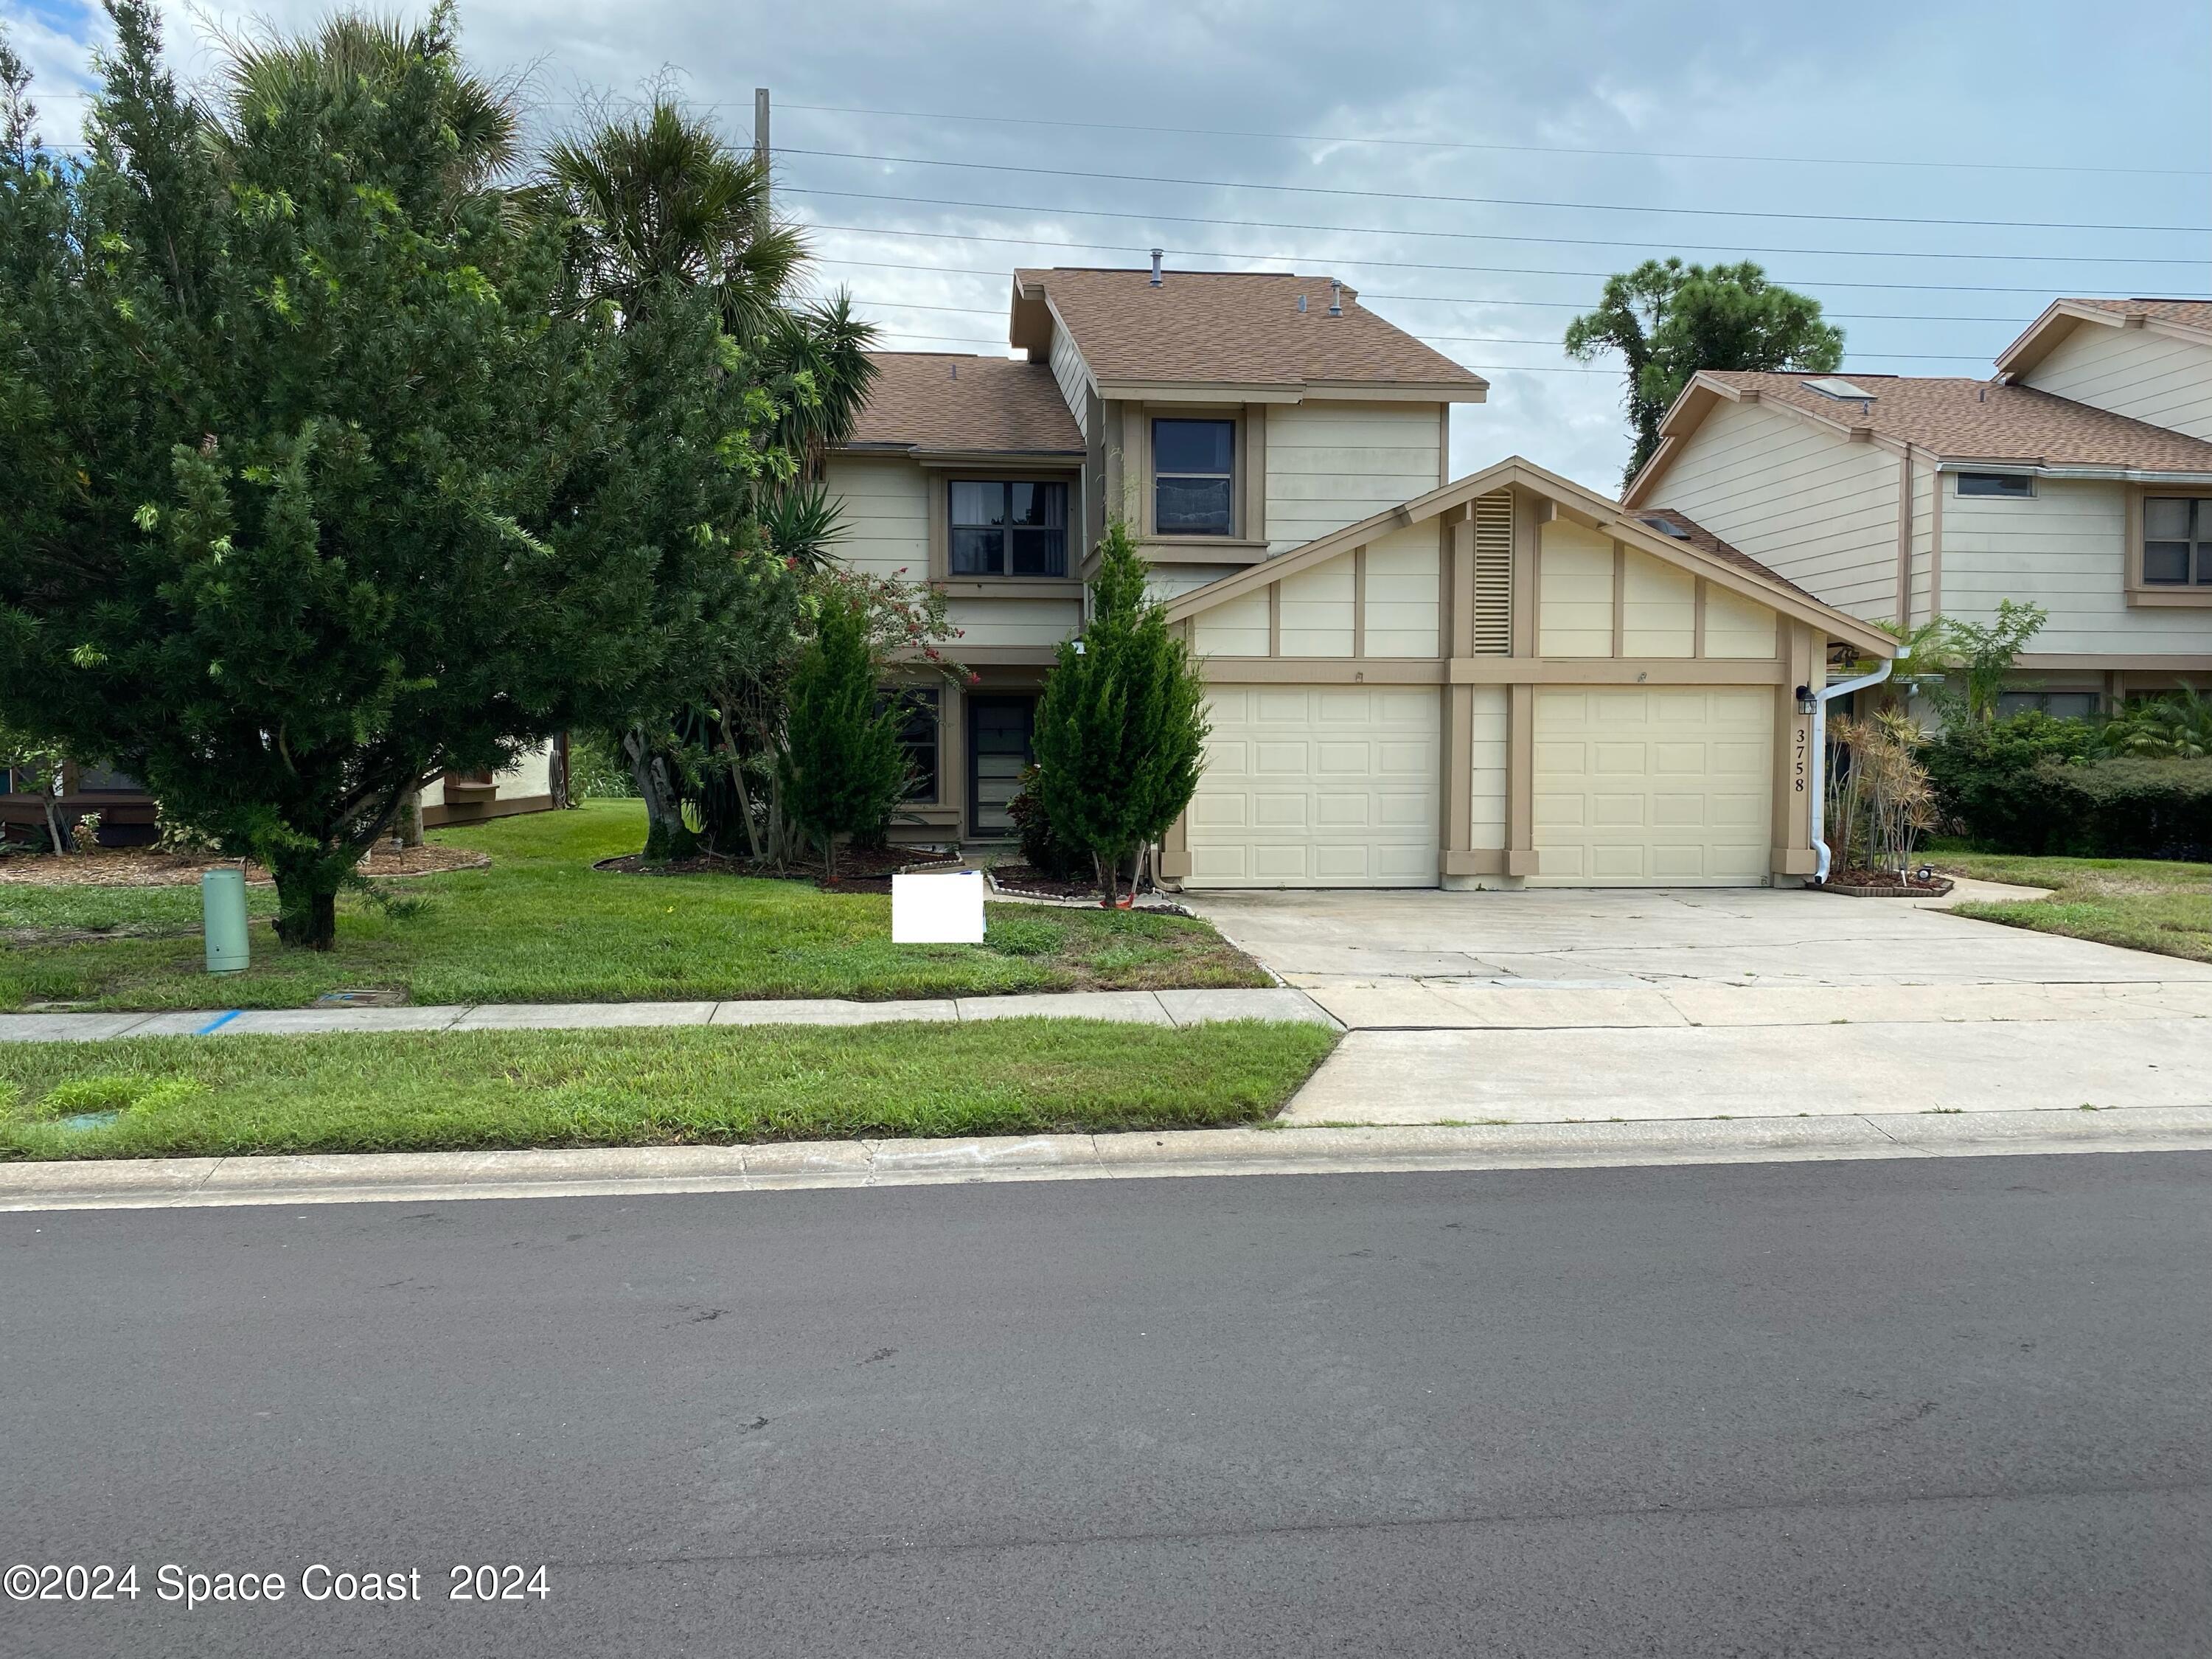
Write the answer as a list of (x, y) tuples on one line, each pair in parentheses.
[(2064, 705), (1194, 469), (918, 738), (1996, 483), (1001, 528), (2177, 541)]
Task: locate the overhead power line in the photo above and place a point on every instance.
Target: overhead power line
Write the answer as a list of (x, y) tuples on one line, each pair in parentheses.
[(1485, 201), (1516, 149), (1482, 235), (1470, 339), (999, 274), (1394, 264)]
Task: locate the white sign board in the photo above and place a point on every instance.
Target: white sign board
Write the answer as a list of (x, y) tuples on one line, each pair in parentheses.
[(937, 909)]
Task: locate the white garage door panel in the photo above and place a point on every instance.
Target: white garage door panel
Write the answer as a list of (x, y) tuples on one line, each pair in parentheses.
[(1647, 789), (1318, 787)]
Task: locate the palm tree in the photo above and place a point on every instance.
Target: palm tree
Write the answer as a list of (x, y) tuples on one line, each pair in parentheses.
[(353, 54), (662, 199)]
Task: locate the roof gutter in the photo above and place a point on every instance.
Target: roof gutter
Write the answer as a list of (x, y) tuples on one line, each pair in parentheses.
[(2111, 474), (1818, 700)]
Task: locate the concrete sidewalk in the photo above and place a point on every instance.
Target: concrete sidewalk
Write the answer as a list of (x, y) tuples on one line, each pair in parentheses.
[(413, 1177), (1136, 1007)]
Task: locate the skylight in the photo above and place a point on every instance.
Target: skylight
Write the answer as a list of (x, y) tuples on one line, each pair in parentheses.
[(1835, 385)]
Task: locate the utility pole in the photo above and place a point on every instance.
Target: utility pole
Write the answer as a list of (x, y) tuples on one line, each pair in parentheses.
[(761, 152)]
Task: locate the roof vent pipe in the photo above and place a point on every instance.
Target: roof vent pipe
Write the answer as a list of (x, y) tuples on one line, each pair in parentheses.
[(1335, 299), (1302, 305), (1156, 265), (1819, 700)]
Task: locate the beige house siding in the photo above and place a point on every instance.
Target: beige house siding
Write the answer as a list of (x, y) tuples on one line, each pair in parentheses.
[(2134, 372), (1575, 617), (1401, 606), (1330, 465), (1316, 611), (1073, 376), (2065, 551), (1808, 503), (886, 507), (1659, 609), (1238, 629), (998, 623)]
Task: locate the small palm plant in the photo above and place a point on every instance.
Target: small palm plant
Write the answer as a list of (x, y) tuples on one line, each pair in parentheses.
[(1880, 801)]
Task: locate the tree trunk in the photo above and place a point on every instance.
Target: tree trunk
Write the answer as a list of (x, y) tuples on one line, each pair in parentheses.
[(407, 824), (663, 812), (55, 831), (829, 859), (307, 907)]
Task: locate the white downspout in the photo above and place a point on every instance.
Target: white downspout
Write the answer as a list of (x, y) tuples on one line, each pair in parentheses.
[(1819, 700)]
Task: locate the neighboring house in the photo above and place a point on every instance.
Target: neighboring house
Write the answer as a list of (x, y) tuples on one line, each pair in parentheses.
[(1414, 683), (127, 810), (2079, 478)]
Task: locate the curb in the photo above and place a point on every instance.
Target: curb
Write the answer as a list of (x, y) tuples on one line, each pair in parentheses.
[(406, 1178)]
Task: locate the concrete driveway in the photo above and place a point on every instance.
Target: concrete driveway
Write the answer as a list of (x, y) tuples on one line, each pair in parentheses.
[(1552, 1005)]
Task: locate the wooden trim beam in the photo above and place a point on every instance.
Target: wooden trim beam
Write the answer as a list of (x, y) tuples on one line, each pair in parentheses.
[(1615, 670)]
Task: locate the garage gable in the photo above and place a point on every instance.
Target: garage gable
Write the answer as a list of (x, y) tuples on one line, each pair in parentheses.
[(1379, 588)]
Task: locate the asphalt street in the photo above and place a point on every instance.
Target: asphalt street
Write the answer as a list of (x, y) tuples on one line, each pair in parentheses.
[(1901, 1408)]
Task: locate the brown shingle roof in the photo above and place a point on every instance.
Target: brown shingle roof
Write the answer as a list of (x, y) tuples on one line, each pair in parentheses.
[(1705, 541), (1981, 421), (1235, 328), (933, 400), (2183, 313)]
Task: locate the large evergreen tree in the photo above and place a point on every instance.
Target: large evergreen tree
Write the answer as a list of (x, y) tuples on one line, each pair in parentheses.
[(310, 487), (1121, 730), (1668, 321)]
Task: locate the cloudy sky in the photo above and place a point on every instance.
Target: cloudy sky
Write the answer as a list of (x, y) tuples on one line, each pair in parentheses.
[(1933, 172)]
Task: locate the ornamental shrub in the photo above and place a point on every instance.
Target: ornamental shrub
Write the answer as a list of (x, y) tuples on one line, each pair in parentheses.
[(2128, 808), (842, 769), (1120, 729), (1986, 782)]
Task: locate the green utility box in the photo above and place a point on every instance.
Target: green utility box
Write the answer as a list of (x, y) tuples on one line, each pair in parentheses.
[(222, 911)]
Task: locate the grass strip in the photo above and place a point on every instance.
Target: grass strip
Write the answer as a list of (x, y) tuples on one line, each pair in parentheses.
[(541, 925), (188, 1097), (2141, 904)]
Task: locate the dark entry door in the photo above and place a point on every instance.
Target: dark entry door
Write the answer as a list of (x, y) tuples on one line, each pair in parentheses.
[(998, 732)]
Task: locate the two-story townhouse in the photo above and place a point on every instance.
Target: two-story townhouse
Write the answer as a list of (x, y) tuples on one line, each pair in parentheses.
[(1223, 416), (1413, 680), (2078, 478)]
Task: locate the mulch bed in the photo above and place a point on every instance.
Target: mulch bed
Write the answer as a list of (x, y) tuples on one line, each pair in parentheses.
[(143, 866), (860, 870), (1884, 883), (1026, 881)]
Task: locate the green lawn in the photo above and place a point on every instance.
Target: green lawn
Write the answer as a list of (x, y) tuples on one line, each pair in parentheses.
[(2138, 902), (186, 1096), (542, 925)]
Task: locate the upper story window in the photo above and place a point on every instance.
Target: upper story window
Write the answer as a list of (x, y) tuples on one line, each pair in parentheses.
[(1194, 477), (2018, 485), (1009, 528), (2177, 548)]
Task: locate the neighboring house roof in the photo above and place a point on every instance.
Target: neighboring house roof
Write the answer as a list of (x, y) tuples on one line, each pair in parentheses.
[(2186, 320), (1701, 553), (1666, 521), (1955, 419), (941, 402), (1231, 329)]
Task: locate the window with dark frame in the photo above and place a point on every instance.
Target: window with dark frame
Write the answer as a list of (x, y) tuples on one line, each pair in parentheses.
[(2020, 486), (918, 736), (2177, 550), (1194, 477), (1008, 528)]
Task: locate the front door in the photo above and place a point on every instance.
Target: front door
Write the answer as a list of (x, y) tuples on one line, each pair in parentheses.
[(998, 732)]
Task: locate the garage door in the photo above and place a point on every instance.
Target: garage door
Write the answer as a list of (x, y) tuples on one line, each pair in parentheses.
[(1318, 787), (1653, 788)]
